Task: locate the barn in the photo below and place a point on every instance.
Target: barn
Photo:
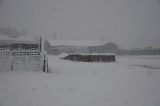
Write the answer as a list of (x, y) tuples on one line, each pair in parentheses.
[(78, 50), (56, 47)]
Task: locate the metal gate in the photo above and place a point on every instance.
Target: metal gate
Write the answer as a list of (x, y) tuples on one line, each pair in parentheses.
[(21, 60), (5, 60)]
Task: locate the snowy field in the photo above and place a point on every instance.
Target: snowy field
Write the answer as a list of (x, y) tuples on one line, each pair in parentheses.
[(130, 81)]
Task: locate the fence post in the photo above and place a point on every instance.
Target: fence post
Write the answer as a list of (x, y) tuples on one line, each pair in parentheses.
[(26, 60), (45, 62), (11, 63)]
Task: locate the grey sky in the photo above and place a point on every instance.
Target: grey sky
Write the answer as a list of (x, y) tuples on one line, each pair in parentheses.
[(129, 23)]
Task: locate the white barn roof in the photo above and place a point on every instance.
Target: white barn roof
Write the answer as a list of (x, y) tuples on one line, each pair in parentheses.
[(74, 43)]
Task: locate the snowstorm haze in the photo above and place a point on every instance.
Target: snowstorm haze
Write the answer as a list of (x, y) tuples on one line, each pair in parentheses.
[(129, 23)]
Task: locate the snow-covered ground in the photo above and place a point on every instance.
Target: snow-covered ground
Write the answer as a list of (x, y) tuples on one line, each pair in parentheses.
[(130, 81)]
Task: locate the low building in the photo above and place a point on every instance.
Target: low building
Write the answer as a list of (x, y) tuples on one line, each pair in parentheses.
[(98, 57), (105, 48), (18, 43), (56, 47)]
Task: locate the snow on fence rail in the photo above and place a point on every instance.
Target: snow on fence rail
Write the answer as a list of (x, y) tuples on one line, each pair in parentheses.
[(22, 52), (21, 60)]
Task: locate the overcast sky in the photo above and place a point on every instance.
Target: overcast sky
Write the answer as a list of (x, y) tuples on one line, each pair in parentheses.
[(129, 23)]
